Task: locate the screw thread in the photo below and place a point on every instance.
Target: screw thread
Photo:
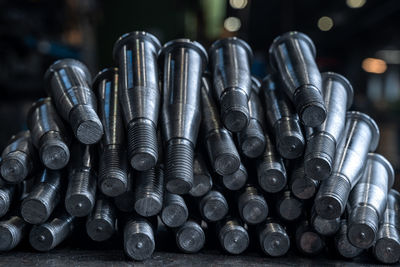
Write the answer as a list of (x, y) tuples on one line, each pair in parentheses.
[(179, 166), (53, 150), (233, 236), (190, 237), (138, 239), (6, 195), (13, 228), (149, 191), (100, 224), (142, 144), (175, 211), (273, 239), (16, 166), (113, 177), (80, 197)]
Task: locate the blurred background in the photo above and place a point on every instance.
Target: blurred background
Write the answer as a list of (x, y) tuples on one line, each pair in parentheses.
[(357, 38)]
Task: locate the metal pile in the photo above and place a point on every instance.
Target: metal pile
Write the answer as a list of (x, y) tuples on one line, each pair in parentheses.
[(281, 163)]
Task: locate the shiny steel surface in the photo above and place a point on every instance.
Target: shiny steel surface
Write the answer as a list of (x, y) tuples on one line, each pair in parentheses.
[(302, 186), (126, 201), (221, 149), (202, 180), (236, 180), (273, 238), (292, 55), (68, 82), (288, 206), (47, 236), (190, 237), (136, 53), (100, 224), (213, 206), (81, 191), (271, 171), (12, 230), (342, 243), (37, 207), (230, 61), (232, 236), (253, 208), (138, 233), (387, 246), (7, 194), (183, 62), (368, 200), (361, 134), (19, 158), (175, 212), (282, 119), (113, 179), (325, 227), (49, 134), (308, 241), (321, 146)]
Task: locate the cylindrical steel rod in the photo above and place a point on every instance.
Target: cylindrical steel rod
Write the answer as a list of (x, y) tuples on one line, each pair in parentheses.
[(387, 246), (45, 237), (12, 231), (342, 243), (273, 238), (325, 227), (213, 206), (183, 65), (236, 180), (175, 212), (190, 237), (221, 149), (81, 191), (126, 201), (49, 134), (149, 191), (202, 180), (292, 55), (136, 55), (321, 146), (37, 207), (288, 206), (230, 63), (232, 236), (7, 195), (282, 120), (361, 134), (253, 208), (302, 186), (368, 201), (19, 158), (100, 224), (113, 163), (68, 83), (308, 241)]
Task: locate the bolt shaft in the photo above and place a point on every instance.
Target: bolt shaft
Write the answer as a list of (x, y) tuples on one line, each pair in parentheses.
[(342, 243), (7, 195), (213, 206), (288, 206), (232, 236), (202, 180), (12, 230), (236, 180), (49, 134), (37, 207), (100, 224), (302, 186), (273, 238), (190, 237), (175, 212), (253, 208), (308, 241), (68, 82), (126, 201)]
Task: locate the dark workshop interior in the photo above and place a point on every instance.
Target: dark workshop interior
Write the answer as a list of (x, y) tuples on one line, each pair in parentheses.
[(359, 39)]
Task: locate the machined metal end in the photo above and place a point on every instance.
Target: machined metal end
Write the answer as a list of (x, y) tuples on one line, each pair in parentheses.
[(49, 134), (12, 230), (290, 141), (81, 192), (139, 242), (47, 236), (232, 236), (308, 241), (68, 81), (332, 196), (271, 172), (126, 201), (253, 208), (230, 62), (363, 226), (113, 176), (175, 212), (301, 185), (319, 156), (273, 238), (202, 180), (301, 84), (100, 224), (323, 226), (37, 207), (288, 206), (222, 152), (149, 191), (142, 144), (236, 180), (213, 206), (190, 237), (18, 158), (179, 166), (252, 139), (343, 245), (7, 194), (387, 246)]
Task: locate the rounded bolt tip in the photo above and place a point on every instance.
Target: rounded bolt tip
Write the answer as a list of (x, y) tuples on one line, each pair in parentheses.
[(10, 236), (99, 229), (329, 207), (201, 185), (174, 215), (290, 145), (226, 164), (235, 111), (255, 211), (34, 211), (148, 206), (311, 243), (113, 186), (253, 146), (303, 188), (89, 132), (190, 238), (236, 180), (55, 154), (361, 235), (272, 180), (387, 250), (140, 246), (318, 168), (236, 241), (313, 115), (41, 238), (15, 169), (78, 205), (276, 244), (290, 209)]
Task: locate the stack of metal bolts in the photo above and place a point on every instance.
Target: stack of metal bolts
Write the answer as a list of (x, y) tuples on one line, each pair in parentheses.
[(279, 163)]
